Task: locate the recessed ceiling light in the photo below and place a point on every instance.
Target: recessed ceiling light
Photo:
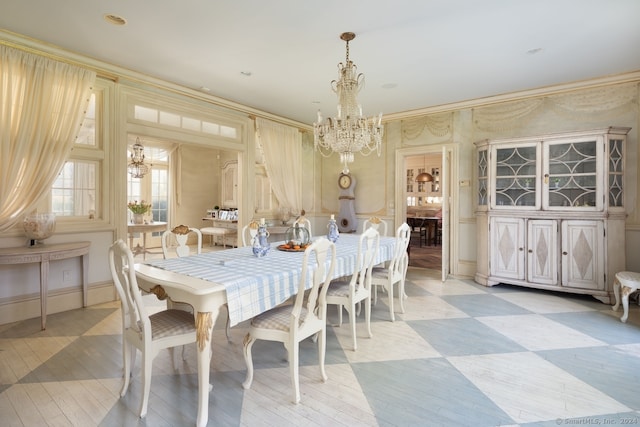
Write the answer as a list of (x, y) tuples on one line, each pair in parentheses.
[(205, 89), (246, 73), (115, 19)]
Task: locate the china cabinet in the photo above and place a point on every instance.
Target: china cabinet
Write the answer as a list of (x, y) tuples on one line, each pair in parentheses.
[(550, 211), (418, 193), (230, 185)]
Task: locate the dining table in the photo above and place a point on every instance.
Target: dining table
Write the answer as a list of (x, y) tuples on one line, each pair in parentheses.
[(247, 284), (427, 226)]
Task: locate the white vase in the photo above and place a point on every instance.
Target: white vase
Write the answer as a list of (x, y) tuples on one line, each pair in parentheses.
[(138, 218)]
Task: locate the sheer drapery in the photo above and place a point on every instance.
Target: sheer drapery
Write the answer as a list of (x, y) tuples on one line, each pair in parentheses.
[(281, 148), (42, 105)]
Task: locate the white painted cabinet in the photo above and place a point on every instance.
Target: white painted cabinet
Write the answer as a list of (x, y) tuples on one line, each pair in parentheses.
[(550, 211), (229, 183)]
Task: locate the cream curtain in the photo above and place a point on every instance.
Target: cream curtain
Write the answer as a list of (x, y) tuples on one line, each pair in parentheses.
[(281, 148), (42, 105)]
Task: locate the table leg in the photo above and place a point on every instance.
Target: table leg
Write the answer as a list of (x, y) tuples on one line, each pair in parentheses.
[(204, 328), (85, 278), (144, 245), (44, 285)]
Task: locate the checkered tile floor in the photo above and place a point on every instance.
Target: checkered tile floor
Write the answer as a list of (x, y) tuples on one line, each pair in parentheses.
[(462, 354)]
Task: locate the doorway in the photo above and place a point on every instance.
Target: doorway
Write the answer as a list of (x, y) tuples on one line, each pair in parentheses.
[(423, 207), (429, 199)]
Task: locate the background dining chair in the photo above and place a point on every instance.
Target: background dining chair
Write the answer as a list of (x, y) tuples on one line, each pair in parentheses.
[(149, 334), (175, 241), (357, 289), (307, 317), (248, 232), (376, 223), (395, 272), (180, 236)]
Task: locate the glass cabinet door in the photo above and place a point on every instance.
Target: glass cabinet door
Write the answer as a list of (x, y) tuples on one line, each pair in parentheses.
[(516, 172), (572, 174), (615, 171), (483, 177)]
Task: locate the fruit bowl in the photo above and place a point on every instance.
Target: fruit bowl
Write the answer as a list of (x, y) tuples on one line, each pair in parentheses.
[(39, 226)]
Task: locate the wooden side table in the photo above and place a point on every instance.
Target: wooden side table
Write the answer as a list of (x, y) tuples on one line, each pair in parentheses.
[(43, 253), (144, 229)]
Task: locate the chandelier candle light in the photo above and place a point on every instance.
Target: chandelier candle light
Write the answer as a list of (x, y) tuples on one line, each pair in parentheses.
[(349, 132)]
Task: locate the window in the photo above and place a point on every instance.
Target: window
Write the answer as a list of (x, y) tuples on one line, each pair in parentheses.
[(154, 187), (166, 118), (74, 193)]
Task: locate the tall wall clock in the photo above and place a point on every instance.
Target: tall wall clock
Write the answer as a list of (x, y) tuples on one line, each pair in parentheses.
[(347, 221)]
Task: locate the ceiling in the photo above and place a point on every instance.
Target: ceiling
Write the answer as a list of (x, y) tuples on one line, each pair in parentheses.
[(279, 56)]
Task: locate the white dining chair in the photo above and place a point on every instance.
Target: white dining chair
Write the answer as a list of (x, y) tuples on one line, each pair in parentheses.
[(147, 333), (395, 271), (307, 317), (376, 223), (249, 231), (357, 290), (174, 241)]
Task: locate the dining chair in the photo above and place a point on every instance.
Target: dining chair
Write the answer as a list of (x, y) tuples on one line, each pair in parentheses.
[(175, 241), (180, 235), (148, 333), (248, 232), (376, 223), (307, 317), (357, 290), (395, 272)]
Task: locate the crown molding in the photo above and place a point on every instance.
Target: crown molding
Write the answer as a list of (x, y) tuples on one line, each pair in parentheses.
[(516, 96)]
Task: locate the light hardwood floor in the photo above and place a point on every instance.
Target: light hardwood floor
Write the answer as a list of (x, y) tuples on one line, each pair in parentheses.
[(462, 354)]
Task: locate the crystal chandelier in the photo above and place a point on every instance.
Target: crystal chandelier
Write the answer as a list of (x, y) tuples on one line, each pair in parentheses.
[(349, 132), (136, 166)]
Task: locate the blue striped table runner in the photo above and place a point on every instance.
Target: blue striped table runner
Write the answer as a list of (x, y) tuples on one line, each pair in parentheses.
[(255, 285)]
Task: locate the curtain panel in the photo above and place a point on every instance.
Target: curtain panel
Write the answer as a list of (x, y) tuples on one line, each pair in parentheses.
[(281, 148), (42, 105)]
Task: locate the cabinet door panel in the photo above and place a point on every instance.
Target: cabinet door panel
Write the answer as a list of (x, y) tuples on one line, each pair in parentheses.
[(583, 254), (572, 171), (507, 247), (515, 170), (230, 185), (542, 251)]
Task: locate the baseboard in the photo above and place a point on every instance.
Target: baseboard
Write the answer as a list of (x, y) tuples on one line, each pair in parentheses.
[(28, 306)]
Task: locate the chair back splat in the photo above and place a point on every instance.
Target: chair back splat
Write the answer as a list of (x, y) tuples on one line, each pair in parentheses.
[(177, 239), (376, 223)]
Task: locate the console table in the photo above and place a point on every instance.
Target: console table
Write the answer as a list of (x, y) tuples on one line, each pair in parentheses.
[(144, 229), (43, 253)]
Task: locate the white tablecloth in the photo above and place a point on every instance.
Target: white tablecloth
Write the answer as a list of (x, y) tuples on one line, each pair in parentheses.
[(255, 285)]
